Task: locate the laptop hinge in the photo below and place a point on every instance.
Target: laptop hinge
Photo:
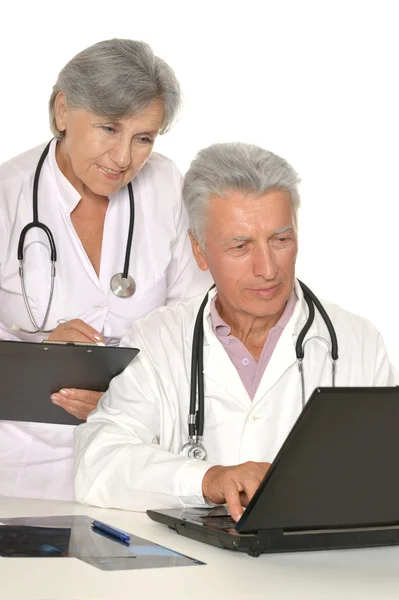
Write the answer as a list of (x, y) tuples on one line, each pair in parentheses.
[(341, 529)]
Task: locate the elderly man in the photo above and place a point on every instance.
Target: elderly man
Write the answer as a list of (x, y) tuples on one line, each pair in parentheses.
[(242, 203)]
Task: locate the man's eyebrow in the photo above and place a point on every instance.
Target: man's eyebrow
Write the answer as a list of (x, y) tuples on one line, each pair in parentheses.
[(283, 230), (245, 238), (238, 238)]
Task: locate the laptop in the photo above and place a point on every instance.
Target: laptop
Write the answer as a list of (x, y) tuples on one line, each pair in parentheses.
[(334, 483)]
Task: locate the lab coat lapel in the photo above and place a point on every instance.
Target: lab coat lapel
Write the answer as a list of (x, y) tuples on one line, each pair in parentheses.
[(220, 375), (219, 369), (284, 354), (282, 359)]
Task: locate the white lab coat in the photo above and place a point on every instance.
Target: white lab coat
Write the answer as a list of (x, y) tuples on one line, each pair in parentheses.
[(127, 455), (36, 459)]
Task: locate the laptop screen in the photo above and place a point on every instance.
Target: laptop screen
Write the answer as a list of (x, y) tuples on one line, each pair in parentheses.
[(338, 467)]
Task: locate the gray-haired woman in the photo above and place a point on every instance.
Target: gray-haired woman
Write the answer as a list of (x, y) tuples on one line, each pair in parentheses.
[(107, 107)]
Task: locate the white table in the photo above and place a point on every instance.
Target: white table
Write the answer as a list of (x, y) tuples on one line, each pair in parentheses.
[(349, 574)]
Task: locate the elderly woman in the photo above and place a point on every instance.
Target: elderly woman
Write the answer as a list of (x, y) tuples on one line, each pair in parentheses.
[(112, 211)]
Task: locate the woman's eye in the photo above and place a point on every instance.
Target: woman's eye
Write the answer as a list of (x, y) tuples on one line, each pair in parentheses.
[(108, 129), (145, 140)]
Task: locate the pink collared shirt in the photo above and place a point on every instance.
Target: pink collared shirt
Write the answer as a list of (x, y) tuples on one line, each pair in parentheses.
[(250, 371)]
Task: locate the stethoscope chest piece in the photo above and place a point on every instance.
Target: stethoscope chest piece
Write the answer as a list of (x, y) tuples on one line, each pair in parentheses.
[(194, 450), (123, 287)]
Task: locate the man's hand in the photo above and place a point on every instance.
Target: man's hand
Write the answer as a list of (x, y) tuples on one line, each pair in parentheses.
[(79, 403), (75, 331), (233, 485)]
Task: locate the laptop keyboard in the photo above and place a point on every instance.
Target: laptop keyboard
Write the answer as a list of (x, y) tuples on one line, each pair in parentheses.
[(219, 522)]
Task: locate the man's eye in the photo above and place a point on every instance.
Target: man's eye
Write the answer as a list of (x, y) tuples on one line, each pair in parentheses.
[(108, 129), (283, 240)]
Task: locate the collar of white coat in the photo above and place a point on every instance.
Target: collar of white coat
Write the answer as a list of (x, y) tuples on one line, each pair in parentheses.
[(219, 369), (69, 196), (295, 325)]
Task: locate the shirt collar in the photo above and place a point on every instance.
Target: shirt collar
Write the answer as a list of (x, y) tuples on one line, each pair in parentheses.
[(221, 328), (69, 196), (295, 323)]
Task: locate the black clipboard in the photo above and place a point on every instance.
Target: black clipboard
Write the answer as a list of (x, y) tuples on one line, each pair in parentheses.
[(31, 372)]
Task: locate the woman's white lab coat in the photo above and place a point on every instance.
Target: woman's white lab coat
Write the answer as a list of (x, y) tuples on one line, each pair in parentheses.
[(128, 453), (35, 459)]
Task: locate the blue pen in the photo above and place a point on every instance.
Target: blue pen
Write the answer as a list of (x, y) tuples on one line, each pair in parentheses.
[(111, 531)]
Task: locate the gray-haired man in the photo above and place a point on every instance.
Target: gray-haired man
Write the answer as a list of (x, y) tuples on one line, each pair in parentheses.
[(242, 203)]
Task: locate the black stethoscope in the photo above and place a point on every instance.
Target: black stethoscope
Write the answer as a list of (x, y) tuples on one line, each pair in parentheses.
[(194, 448), (122, 284)]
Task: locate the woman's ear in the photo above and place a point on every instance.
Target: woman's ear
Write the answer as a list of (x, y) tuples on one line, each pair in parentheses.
[(60, 111)]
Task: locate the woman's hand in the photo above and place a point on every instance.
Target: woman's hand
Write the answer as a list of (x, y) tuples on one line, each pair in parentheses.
[(75, 331), (79, 403)]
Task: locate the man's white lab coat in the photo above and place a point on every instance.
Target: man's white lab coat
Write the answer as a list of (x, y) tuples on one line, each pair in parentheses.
[(127, 455)]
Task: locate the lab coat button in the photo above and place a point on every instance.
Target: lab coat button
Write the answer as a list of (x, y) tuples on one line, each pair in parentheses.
[(100, 305), (245, 362), (255, 418)]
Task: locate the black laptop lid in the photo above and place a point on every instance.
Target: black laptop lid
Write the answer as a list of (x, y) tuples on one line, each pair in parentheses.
[(337, 468)]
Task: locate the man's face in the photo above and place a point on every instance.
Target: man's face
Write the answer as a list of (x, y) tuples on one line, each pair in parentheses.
[(250, 250)]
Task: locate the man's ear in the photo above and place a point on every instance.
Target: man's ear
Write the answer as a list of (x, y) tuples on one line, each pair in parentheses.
[(198, 252), (60, 111)]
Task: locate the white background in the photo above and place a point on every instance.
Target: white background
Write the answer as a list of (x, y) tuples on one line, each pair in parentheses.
[(314, 81)]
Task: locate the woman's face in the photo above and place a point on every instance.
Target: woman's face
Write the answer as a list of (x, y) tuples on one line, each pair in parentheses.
[(101, 154)]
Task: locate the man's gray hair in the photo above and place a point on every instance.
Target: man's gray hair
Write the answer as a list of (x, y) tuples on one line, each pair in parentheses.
[(222, 168), (117, 78)]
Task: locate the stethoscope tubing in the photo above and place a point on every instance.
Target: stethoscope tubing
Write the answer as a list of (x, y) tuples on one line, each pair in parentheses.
[(35, 223), (196, 416)]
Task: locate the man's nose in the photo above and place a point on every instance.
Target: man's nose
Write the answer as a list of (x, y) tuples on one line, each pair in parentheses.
[(264, 263)]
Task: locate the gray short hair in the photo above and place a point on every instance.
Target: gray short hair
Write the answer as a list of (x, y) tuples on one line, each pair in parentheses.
[(117, 78), (221, 168)]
